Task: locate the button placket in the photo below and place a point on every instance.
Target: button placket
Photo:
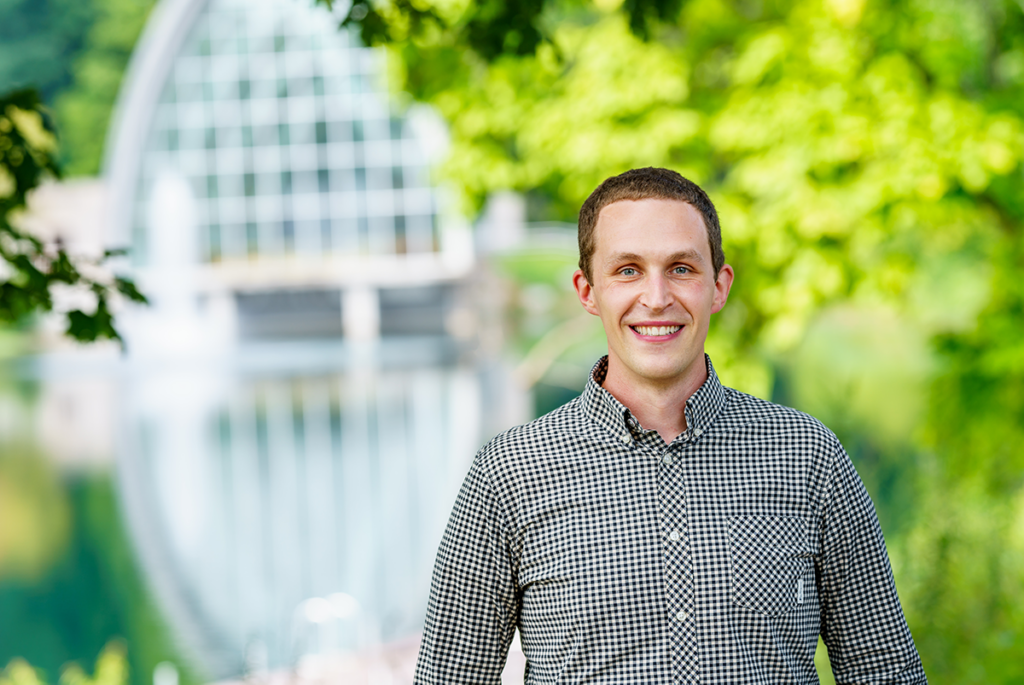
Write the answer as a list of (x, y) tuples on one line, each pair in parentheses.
[(678, 565)]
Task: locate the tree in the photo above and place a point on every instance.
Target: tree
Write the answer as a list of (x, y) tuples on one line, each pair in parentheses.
[(74, 52), (84, 106), (38, 40), (34, 270)]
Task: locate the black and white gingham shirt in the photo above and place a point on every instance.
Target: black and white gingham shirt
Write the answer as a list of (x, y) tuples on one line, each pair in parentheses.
[(716, 559)]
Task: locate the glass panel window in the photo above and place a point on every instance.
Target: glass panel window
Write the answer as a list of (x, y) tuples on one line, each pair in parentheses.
[(298, 112)]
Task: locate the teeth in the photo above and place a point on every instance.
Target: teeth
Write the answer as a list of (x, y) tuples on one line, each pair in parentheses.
[(656, 330)]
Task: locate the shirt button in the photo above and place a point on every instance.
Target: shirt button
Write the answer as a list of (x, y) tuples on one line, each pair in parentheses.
[(667, 460), (681, 616), (626, 439), (673, 536), (698, 432)]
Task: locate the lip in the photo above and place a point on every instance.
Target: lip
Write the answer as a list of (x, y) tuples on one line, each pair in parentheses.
[(653, 324)]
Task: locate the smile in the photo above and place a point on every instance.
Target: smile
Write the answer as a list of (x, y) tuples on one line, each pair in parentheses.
[(655, 331)]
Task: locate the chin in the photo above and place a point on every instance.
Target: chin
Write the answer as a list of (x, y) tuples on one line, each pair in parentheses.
[(660, 372), (665, 374), (664, 369)]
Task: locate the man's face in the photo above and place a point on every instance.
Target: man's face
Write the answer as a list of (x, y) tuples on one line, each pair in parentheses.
[(655, 289)]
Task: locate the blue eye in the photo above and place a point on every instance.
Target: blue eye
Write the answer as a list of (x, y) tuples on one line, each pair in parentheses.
[(628, 271), (681, 270)]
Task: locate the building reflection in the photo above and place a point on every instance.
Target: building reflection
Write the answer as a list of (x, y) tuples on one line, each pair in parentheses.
[(250, 493)]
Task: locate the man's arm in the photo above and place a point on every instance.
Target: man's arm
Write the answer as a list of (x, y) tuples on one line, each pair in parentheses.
[(862, 622), (473, 607)]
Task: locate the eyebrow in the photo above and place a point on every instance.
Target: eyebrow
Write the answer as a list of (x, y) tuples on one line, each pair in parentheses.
[(684, 256)]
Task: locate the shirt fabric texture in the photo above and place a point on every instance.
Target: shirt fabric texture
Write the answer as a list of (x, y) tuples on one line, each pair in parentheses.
[(716, 559)]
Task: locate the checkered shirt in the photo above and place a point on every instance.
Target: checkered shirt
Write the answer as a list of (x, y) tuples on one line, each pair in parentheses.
[(716, 559)]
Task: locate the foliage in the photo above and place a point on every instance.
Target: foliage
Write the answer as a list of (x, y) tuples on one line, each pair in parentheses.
[(18, 672), (74, 53), (38, 41), (34, 517), (490, 28), (35, 270), (91, 591), (85, 106), (866, 159), (111, 669)]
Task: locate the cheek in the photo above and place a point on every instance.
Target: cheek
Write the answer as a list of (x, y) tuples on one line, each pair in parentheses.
[(617, 296), (697, 297)]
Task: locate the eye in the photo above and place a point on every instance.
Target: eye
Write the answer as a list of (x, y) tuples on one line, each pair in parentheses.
[(628, 271), (680, 270)]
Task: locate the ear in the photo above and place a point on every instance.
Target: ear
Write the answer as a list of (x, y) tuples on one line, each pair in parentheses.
[(722, 286), (585, 292)]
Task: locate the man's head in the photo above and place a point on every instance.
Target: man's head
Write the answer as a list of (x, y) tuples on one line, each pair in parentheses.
[(650, 272), (642, 184)]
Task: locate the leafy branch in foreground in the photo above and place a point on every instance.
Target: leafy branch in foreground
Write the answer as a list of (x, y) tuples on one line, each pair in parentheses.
[(32, 268), (491, 28)]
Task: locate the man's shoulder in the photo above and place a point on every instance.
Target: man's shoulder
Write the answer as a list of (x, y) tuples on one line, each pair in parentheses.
[(751, 413), (549, 437)]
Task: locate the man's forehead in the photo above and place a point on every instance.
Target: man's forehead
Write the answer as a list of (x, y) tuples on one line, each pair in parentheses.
[(655, 213), (629, 209), (688, 255)]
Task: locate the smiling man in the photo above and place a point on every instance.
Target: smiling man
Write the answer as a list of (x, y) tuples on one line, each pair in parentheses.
[(663, 528)]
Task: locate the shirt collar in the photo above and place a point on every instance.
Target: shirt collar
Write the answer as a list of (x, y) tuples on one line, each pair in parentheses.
[(702, 408)]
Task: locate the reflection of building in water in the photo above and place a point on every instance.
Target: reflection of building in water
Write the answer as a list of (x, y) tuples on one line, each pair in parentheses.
[(299, 406), (251, 492)]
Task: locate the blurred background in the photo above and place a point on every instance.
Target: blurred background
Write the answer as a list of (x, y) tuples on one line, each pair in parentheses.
[(273, 270)]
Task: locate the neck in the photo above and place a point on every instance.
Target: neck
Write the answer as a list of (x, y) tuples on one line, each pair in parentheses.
[(657, 404)]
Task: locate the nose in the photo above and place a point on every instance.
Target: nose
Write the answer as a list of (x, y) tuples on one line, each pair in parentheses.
[(656, 295)]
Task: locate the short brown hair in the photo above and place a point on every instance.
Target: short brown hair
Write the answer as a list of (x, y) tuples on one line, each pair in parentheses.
[(644, 184)]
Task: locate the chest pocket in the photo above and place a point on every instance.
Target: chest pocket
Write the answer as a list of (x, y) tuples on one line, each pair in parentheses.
[(770, 563)]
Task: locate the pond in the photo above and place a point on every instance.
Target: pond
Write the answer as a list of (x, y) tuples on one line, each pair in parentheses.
[(250, 493), (281, 503)]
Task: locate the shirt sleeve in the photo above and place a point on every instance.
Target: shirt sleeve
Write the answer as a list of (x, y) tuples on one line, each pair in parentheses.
[(862, 622), (473, 607)]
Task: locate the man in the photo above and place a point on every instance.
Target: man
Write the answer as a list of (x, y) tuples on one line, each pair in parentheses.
[(662, 528)]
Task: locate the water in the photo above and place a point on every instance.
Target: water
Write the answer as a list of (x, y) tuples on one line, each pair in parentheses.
[(255, 494)]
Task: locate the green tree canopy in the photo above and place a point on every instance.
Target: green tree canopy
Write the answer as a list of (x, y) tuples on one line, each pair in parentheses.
[(74, 53), (38, 41)]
